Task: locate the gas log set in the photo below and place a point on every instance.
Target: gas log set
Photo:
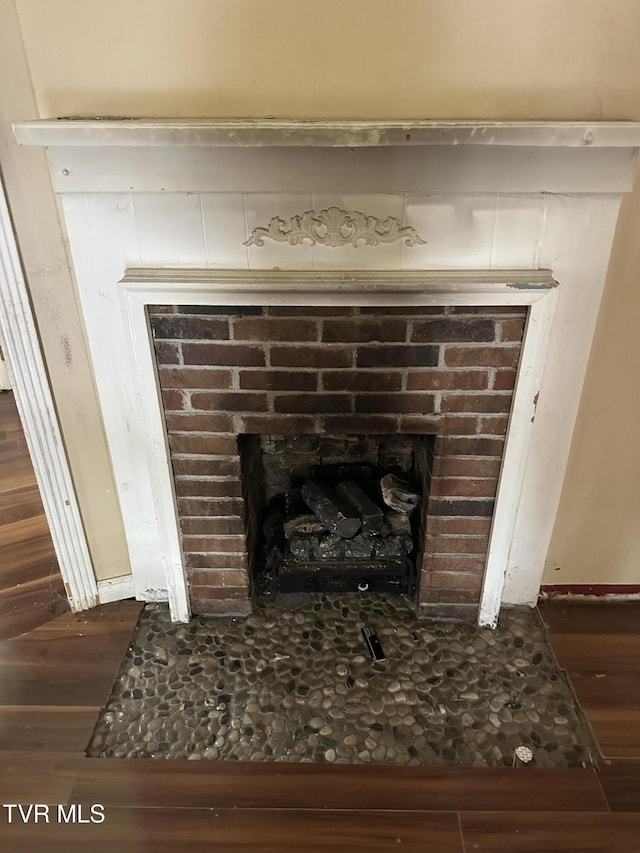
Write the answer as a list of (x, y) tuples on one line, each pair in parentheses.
[(343, 530)]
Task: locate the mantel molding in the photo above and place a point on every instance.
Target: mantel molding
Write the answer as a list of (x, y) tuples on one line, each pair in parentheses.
[(257, 133)]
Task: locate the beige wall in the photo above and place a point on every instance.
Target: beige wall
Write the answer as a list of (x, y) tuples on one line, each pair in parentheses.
[(530, 59), (335, 58)]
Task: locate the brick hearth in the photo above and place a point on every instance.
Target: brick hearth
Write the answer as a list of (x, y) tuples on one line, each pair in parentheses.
[(230, 371)]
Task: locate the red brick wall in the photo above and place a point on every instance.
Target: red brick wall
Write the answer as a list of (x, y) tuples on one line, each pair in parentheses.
[(446, 371)]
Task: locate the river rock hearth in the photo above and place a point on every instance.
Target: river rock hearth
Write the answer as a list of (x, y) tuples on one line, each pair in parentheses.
[(286, 684)]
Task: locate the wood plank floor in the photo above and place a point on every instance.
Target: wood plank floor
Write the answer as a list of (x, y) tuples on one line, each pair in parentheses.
[(598, 644), (31, 589), (54, 679)]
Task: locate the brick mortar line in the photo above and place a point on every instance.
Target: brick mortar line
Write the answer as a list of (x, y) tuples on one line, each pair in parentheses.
[(476, 344), (225, 434), (469, 477), (220, 554), (460, 498), (494, 343), (212, 457), (468, 392), (223, 536), (471, 536), (359, 392), (470, 435), (486, 518), (457, 572), (209, 478), (209, 498), (464, 457), (251, 368), (213, 518)]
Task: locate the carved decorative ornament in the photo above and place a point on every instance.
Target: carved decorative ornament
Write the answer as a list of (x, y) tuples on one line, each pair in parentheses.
[(335, 226)]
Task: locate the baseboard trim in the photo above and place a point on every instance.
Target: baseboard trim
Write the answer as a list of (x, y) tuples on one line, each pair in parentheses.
[(116, 589), (619, 591)]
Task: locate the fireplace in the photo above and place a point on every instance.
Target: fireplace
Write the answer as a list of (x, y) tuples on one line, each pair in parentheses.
[(433, 223), (259, 401), (337, 513)]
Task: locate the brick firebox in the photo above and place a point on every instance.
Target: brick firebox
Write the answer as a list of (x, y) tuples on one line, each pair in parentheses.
[(225, 372)]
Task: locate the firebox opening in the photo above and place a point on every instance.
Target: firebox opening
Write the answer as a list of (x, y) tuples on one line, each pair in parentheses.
[(335, 513)]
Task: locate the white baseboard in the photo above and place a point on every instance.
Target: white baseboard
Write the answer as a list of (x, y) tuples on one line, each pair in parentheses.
[(115, 589)]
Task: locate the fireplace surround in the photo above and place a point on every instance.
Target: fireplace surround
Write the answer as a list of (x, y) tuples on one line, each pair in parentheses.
[(330, 372), (220, 213), (381, 292)]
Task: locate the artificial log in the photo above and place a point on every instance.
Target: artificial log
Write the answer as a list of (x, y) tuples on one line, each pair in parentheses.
[(336, 515), (302, 525), (398, 523), (398, 495), (393, 548), (303, 547), (370, 513), (329, 548)]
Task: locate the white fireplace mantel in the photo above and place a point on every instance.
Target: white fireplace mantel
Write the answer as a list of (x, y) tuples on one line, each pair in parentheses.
[(270, 132), (147, 203)]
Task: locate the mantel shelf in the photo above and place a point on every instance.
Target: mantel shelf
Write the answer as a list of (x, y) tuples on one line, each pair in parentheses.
[(266, 132)]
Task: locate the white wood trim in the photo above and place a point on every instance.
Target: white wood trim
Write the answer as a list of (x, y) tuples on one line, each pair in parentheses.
[(417, 170), (350, 134), (577, 245), (522, 418), (141, 287), (115, 589), (5, 380), (496, 285), (158, 460), (37, 412)]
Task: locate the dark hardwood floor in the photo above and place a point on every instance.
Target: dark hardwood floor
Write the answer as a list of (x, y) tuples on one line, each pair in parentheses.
[(54, 679), (31, 589), (598, 644)]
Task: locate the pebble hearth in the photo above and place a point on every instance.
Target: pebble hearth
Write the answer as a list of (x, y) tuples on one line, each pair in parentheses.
[(297, 684), (231, 372)]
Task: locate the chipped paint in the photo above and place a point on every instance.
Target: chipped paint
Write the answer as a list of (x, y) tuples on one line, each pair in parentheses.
[(532, 285), (535, 405), (155, 594)]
